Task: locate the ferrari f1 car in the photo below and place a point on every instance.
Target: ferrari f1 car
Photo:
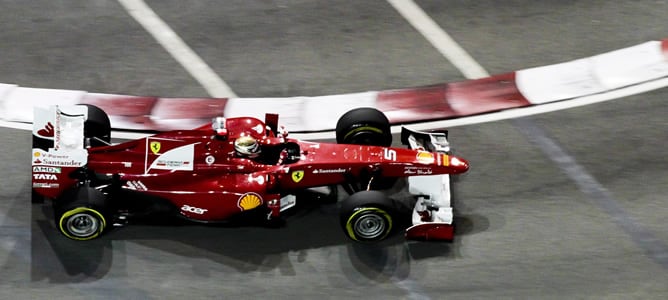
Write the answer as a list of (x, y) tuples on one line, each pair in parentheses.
[(236, 165)]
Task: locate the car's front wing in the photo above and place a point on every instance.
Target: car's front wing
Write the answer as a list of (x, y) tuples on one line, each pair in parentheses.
[(432, 217)]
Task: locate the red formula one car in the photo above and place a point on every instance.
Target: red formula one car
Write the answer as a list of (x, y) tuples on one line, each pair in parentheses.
[(232, 166)]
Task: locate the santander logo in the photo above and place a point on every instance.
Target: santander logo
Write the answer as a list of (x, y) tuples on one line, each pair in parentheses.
[(47, 132)]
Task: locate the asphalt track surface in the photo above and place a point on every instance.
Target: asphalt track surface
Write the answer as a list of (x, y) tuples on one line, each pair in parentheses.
[(569, 204)]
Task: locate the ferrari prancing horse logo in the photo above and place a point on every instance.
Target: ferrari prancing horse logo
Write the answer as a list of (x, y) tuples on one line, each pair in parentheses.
[(297, 176), (155, 147)]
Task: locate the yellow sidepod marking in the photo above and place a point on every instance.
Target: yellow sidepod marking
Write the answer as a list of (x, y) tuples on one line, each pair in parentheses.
[(79, 210)]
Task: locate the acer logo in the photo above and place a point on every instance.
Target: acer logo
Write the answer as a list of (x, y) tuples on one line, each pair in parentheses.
[(44, 177), (193, 209)]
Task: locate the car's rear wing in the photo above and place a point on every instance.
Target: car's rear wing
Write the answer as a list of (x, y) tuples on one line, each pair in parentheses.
[(59, 127), (58, 148)]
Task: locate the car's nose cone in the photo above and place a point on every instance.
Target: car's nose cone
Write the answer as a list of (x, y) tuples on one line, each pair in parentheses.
[(459, 164)]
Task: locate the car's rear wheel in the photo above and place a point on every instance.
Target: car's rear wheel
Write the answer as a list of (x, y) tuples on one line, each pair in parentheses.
[(82, 223), (367, 216), (81, 213), (364, 126)]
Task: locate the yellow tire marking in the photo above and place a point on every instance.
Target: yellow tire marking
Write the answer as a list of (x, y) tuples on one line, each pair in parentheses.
[(358, 129), (349, 226), (79, 210)]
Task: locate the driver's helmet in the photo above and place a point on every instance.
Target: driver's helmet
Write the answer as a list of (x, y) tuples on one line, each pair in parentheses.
[(247, 146)]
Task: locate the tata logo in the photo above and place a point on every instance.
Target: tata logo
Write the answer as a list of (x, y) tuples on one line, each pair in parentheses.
[(297, 176), (155, 147), (44, 177)]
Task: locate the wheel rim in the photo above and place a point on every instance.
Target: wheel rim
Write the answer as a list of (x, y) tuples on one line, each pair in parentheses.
[(369, 226), (82, 225)]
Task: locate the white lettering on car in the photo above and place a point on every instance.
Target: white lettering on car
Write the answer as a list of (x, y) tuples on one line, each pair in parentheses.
[(40, 176), (41, 169), (329, 171), (390, 154), (192, 209), (135, 185)]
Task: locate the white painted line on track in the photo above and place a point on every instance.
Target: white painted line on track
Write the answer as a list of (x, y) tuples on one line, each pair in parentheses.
[(190, 61), (440, 39)]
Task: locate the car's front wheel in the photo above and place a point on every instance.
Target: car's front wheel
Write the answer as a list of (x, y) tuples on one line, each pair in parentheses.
[(367, 216), (364, 126)]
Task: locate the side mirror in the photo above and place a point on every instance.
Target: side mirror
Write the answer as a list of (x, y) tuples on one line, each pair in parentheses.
[(218, 124), (271, 121)]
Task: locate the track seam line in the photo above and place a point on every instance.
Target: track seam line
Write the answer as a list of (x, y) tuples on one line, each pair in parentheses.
[(596, 192), (175, 46)]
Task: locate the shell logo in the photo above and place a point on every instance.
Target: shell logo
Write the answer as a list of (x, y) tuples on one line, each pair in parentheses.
[(425, 157), (249, 201)]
